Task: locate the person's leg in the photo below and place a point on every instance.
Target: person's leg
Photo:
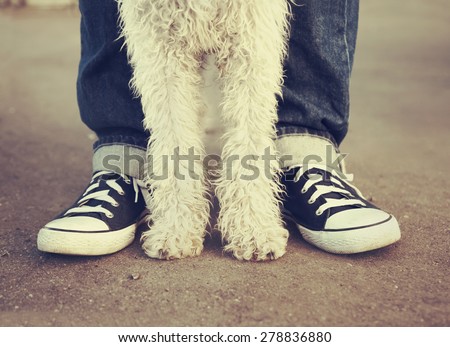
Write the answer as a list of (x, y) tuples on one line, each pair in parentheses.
[(104, 218), (107, 105), (315, 103), (313, 121)]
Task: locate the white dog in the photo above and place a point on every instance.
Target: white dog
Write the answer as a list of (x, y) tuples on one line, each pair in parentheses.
[(166, 42)]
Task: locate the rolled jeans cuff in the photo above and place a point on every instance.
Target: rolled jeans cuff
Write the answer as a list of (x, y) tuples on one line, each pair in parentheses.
[(303, 149), (120, 158)]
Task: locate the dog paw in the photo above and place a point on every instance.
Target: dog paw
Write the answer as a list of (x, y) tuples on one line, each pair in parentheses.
[(264, 246), (168, 246)]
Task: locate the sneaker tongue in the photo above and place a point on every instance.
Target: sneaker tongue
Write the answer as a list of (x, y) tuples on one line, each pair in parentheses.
[(101, 180), (108, 176), (324, 179)]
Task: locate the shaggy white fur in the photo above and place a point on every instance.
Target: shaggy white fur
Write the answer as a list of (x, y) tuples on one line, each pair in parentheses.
[(166, 41)]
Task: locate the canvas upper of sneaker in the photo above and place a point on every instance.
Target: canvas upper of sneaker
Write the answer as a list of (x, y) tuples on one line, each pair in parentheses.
[(110, 202), (320, 200)]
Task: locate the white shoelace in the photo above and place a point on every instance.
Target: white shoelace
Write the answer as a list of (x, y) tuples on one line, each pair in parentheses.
[(103, 195), (348, 199)]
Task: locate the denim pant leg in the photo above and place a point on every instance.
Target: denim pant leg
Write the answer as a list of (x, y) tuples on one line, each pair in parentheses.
[(315, 103), (107, 105)]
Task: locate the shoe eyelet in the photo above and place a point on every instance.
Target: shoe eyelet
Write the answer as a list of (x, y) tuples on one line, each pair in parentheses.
[(110, 215), (311, 201), (319, 212), (128, 181), (115, 204), (122, 193), (303, 191)]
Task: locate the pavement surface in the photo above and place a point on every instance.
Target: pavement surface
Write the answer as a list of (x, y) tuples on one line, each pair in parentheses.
[(398, 144)]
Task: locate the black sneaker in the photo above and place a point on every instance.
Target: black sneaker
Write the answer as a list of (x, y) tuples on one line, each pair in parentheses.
[(333, 215), (102, 221)]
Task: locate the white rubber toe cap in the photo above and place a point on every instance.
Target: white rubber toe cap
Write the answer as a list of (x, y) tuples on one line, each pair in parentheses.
[(356, 239), (356, 218)]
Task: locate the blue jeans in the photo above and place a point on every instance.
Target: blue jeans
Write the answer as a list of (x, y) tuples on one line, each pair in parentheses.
[(315, 103)]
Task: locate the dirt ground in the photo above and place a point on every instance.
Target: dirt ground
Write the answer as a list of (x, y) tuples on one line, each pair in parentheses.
[(398, 144)]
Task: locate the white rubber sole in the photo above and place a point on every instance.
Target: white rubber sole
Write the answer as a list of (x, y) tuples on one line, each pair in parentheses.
[(84, 243), (354, 240)]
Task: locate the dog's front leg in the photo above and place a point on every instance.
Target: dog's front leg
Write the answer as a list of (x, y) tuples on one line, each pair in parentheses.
[(250, 218), (167, 79)]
